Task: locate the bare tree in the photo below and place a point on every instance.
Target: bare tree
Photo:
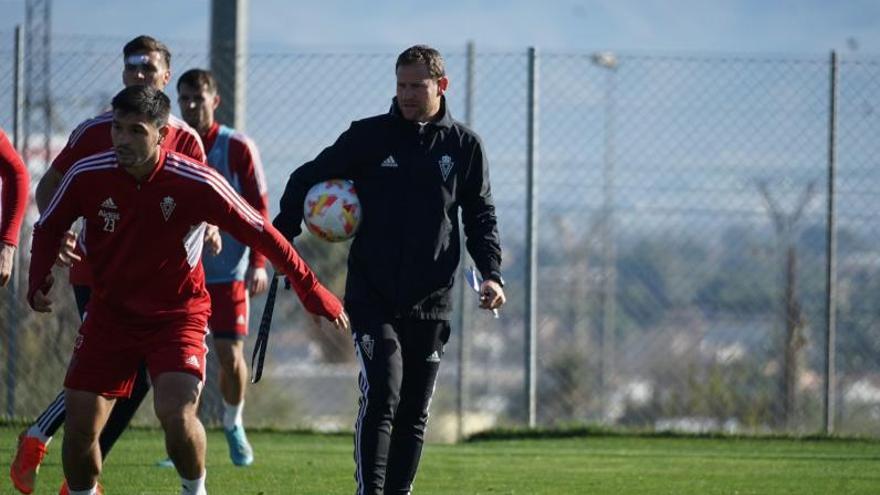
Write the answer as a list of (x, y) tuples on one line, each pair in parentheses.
[(794, 321)]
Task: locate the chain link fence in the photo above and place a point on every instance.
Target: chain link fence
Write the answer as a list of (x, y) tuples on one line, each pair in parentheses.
[(682, 238)]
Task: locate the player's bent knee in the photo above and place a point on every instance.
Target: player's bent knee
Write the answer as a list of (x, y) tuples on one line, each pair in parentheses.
[(77, 435), (85, 414), (170, 414), (176, 395)]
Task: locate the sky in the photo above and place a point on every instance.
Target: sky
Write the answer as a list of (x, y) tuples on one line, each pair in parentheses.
[(701, 26)]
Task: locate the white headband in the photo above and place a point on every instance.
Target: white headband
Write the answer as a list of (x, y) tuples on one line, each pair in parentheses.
[(142, 59)]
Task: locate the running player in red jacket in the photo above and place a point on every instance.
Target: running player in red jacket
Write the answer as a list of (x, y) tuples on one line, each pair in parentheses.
[(144, 209), (13, 200), (146, 61), (236, 273)]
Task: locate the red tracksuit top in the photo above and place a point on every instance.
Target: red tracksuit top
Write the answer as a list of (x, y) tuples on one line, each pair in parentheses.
[(15, 191), (93, 136), (145, 239)]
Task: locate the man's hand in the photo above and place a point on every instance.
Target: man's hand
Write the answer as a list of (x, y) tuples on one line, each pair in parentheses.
[(491, 295), (7, 256), (41, 302), (213, 240), (67, 251), (341, 322), (256, 280)]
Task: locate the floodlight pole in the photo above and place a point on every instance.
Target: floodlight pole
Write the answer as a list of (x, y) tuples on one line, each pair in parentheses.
[(609, 62), (228, 59), (229, 19)]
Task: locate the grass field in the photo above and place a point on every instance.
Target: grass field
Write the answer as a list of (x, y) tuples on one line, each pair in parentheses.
[(297, 463)]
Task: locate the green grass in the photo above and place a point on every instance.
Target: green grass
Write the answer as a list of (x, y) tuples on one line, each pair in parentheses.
[(302, 463)]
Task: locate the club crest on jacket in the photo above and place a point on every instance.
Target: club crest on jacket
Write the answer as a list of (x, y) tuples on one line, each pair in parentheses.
[(167, 204), (446, 165)]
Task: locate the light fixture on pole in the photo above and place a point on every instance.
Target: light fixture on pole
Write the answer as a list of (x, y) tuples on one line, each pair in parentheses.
[(607, 60)]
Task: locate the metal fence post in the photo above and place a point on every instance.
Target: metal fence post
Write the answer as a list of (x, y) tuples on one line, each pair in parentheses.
[(831, 261), (463, 333), (531, 239), (18, 91), (12, 312)]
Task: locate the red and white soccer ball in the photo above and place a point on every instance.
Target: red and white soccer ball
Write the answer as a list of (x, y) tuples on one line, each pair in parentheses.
[(332, 210)]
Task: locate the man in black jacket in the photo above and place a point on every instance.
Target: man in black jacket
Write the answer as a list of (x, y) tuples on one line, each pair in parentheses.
[(413, 168)]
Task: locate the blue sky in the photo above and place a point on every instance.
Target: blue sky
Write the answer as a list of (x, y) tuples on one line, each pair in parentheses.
[(751, 26)]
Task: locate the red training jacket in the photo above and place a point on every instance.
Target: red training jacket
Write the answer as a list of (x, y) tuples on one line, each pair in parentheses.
[(93, 136), (144, 240), (15, 191)]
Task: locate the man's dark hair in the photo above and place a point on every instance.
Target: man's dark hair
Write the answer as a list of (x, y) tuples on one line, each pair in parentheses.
[(196, 78), (144, 43), (144, 100), (423, 54)]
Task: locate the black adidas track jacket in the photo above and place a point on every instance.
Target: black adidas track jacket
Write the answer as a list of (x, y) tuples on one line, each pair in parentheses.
[(411, 180)]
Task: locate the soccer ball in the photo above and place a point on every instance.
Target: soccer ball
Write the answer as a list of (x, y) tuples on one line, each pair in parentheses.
[(332, 210)]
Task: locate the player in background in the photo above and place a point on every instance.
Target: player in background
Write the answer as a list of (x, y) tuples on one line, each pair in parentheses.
[(146, 61), (145, 210), (237, 271), (14, 191)]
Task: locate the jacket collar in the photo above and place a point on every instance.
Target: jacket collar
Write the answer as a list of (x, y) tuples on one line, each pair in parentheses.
[(445, 120), (209, 138), (160, 165)]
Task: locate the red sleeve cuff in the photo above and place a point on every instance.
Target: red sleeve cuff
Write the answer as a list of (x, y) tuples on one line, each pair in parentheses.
[(321, 301), (257, 260)]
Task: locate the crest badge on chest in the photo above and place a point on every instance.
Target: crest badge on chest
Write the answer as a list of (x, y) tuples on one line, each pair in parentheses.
[(167, 204), (446, 165)]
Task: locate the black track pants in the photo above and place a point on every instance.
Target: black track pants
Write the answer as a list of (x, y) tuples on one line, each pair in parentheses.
[(399, 364)]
